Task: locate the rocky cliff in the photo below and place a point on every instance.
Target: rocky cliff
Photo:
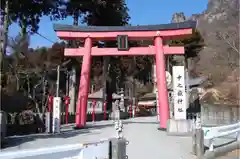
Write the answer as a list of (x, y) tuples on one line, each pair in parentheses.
[(219, 60)]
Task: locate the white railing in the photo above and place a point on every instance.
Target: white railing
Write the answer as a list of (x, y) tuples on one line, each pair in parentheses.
[(211, 133), (80, 151)]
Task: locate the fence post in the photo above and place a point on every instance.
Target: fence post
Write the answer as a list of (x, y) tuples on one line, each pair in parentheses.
[(121, 102), (134, 107), (49, 114), (238, 136), (67, 102), (198, 139), (105, 110), (117, 148), (93, 110), (130, 110)]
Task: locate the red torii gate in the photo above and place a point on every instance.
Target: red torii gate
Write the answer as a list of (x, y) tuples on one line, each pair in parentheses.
[(158, 33)]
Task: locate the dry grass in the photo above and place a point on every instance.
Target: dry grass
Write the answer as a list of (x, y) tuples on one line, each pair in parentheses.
[(226, 92)]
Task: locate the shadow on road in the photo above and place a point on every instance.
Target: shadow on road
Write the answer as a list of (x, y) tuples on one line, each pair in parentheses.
[(67, 132), (139, 122), (18, 140), (111, 124)]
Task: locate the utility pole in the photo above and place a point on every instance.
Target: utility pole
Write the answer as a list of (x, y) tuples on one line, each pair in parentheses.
[(57, 82)]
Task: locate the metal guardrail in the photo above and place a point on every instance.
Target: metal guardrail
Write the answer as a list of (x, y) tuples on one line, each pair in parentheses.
[(202, 134), (53, 153), (114, 148), (87, 151), (210, 133)]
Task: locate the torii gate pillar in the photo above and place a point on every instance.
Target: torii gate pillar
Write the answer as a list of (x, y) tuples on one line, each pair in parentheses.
[(84, 85), (163, 105)]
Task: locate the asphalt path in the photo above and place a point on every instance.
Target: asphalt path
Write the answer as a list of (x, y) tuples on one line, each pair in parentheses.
[(145, 141)]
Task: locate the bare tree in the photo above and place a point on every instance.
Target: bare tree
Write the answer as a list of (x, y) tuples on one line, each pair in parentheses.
[(231, 38)]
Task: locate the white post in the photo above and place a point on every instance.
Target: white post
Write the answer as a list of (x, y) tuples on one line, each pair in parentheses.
[(56, 115), (238, 136), (211, 145), (121, 103), (57, 82)]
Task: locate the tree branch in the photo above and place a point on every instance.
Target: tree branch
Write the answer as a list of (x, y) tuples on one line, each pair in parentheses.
[(226, 38)]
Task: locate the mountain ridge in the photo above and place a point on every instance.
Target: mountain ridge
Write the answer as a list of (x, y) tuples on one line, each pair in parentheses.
[(219, 59)]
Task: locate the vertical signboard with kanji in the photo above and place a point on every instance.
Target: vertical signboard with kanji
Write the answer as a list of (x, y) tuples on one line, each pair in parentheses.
[(179, 93), (56, 115)]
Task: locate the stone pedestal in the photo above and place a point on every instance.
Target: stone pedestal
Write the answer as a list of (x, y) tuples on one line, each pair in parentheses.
[(117, 149), (180, 127)]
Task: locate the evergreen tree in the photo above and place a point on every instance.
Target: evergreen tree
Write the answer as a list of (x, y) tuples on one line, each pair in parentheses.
[(193, 45)]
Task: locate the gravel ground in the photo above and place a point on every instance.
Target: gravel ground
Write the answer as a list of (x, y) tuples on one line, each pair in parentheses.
[(145, 141)]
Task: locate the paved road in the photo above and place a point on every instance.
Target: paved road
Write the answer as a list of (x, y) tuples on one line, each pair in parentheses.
[(145, 141), (58, 155)]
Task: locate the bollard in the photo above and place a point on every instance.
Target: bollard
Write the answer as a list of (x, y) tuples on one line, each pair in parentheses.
[(198, 139), (199, 143), (105, 110), (93, 110), (67, 102), (134, 111), (238, 136), (48, 121), (117, 148)]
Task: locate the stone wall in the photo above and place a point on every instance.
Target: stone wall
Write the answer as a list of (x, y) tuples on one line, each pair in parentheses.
[(219, 114)]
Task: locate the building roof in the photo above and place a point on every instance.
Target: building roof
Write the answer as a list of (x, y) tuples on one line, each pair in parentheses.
[(148, 96), (99, 95), (170, 26), (196, 81)]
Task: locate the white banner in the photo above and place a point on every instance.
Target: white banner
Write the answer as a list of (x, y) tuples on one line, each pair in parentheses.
[(179, 92), (98, 107), (56, 115)]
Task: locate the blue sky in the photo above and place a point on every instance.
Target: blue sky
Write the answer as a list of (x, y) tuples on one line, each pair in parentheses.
[(142, 12)]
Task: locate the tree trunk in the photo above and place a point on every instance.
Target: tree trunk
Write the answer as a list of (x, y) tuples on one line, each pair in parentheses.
[(75, 17), (4, 33), (72, 91), (23, 25), (111, 84), (72, 85)]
